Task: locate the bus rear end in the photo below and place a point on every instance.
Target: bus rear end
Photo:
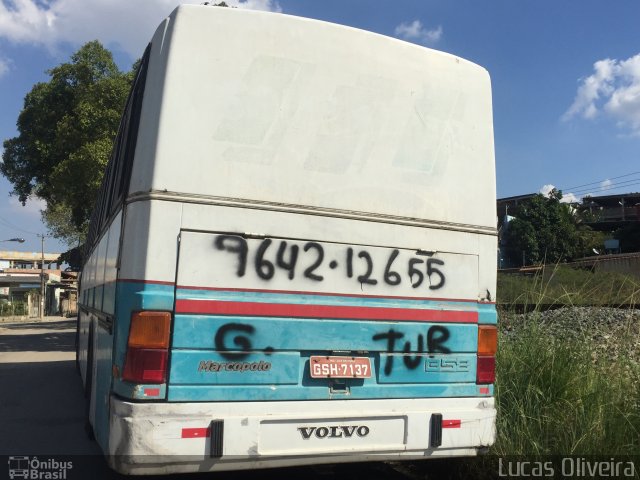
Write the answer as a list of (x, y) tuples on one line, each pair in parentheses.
[(288, 350), (308, 254)]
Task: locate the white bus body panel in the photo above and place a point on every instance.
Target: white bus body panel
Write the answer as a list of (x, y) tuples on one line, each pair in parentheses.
[(303, 112), (267, 434), (165, 219)]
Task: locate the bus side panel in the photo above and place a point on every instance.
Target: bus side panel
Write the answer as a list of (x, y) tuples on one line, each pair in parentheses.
[(136, 296), (104, 329), (96, 321), (102, 384), (145, 279), (149, 248), (83, 342)]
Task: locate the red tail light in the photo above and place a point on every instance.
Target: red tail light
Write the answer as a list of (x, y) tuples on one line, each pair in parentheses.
[(487, 346), (486, 371), (145, 366), (147, 348)]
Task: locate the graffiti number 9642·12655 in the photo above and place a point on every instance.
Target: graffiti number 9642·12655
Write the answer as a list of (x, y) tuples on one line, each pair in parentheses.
[(310, 260)]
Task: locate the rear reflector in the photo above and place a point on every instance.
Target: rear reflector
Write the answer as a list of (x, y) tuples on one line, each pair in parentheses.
[(486, 371), (487, 339), (150, 330), (195, 432), (145, 366), (451, 423)]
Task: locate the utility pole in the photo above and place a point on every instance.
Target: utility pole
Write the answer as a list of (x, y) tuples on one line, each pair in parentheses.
[(42, 284)]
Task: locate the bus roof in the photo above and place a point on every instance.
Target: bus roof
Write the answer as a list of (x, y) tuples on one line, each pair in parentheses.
[(273, 108)]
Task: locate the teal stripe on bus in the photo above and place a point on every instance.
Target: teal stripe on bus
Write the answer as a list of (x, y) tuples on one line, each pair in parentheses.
[(205, 393), (287, 334)]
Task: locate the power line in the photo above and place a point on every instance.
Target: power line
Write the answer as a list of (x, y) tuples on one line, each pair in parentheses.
[(607, 193), (6, 223), (612, 186), (600, 181)]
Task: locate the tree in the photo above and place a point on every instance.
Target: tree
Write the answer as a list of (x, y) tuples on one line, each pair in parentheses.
[(73, 258), (546, 231), (66, 131)]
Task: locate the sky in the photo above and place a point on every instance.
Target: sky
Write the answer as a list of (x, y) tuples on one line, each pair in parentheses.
[(565, 77)]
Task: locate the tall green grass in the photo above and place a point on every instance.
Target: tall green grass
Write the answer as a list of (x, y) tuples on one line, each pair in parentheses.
[(556, 394), (562, 285), (555, 397)]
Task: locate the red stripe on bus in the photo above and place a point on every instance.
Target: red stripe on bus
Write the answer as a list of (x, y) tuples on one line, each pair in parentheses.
[(195, 432), (214, 307), (451, 423), (330, 294)]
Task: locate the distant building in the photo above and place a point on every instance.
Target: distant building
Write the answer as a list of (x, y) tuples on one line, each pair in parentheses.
[(605, 213), (609, 212), (20, 274), (606, 210), (508, 205)]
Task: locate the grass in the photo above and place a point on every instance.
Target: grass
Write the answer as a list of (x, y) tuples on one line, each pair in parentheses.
[(562, 285), (554, 397), (554, 401), (556, 394)]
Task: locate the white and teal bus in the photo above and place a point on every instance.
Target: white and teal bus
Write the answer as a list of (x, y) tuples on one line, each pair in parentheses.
[(292, 259)]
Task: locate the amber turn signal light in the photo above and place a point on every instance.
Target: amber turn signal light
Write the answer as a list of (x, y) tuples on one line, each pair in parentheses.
[(150, 330), (487, 339)]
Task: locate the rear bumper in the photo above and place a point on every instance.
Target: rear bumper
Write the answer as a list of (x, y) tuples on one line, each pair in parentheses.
[(162, 438)]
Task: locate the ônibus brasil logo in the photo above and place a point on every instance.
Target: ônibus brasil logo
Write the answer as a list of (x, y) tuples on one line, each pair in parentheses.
[(37, 469)]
